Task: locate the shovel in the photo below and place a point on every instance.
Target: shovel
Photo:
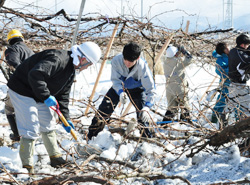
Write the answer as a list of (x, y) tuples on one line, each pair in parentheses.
[(82, 150), (62, 118)]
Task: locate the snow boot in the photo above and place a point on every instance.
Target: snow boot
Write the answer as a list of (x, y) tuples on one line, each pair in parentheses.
[(12, 121), (57, 162), (214, 118), (30, 170), (185, 116), (145, 131), (50, 143), (168, 116), (223, 121)]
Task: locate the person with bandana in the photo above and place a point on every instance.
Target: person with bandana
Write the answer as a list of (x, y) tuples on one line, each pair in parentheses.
[(41, 81)]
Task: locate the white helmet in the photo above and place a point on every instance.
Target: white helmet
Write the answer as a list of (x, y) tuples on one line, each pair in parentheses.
[(91, 50), (171, 51)]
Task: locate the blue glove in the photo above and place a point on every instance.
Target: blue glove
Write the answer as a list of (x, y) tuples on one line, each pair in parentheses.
[(50, 101), (68, 128), (148, 104)]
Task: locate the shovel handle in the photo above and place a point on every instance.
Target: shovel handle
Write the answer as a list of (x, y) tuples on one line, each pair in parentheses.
[(62, 118), (65, 122)]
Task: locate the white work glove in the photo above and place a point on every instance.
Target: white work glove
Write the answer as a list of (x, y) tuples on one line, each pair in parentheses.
[(123, 97), (131, 126), (144, 114)]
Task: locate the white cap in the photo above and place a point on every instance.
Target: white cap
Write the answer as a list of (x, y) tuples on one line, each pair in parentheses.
[(171, 51)]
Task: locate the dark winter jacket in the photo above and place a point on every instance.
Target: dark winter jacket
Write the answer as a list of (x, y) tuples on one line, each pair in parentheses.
[(50, 72), (239, 65), (15, 54)]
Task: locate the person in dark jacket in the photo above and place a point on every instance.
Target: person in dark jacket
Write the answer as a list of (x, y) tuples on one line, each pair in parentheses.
[(132, 79), (15, 54), (239, 73), (221, 53), (42, 81)]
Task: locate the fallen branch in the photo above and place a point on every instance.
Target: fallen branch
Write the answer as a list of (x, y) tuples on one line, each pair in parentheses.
[(230, 133), (66, 178), (152, 176)]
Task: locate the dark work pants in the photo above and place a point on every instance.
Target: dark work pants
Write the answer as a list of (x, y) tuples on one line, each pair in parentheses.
[(108, 106)]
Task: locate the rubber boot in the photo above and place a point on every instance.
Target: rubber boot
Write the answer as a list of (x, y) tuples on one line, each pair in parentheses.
[(30, 170), (26, 153), (185, 116), (50, 142), (214, 118), (222, 121), (145, 131), (57, 162), (168, 116), (12, 121)]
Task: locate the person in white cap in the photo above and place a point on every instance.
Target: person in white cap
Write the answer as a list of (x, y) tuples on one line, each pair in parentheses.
[(41, 81), (176, 83)]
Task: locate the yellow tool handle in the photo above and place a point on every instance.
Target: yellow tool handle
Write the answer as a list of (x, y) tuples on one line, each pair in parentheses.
[(65, 122)]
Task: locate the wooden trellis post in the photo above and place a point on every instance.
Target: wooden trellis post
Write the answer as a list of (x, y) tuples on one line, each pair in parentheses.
[(102, 66)]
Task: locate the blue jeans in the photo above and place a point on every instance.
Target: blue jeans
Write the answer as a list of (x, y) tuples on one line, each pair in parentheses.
[(222, 100)]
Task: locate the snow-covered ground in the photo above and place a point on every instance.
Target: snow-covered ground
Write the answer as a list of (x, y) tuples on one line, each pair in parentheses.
[(206, 167)]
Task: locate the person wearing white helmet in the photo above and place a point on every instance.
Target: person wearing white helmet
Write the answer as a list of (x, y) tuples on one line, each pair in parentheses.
[(176, 83), (45, 80)]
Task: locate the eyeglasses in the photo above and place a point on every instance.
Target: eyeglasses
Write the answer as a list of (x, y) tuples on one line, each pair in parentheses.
[(82, 55)]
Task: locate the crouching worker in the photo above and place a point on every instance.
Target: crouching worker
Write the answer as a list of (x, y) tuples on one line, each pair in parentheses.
[(40, 82), (132, 79)]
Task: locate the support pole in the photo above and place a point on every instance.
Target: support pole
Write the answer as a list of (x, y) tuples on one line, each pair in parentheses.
[(164, 47), (74, 36), (187, 26), (127, 109), (102, 66), (78, 22)]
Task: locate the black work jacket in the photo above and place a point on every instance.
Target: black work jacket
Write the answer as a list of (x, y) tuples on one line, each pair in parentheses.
[(239, 65), (50, 72), (15, 54)]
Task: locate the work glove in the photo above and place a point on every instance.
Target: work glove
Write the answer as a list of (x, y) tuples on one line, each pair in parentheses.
[(144, 114), (50, 101), (68, 128), (184, 51), (181, 49), (123, 98), (131, 126)]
